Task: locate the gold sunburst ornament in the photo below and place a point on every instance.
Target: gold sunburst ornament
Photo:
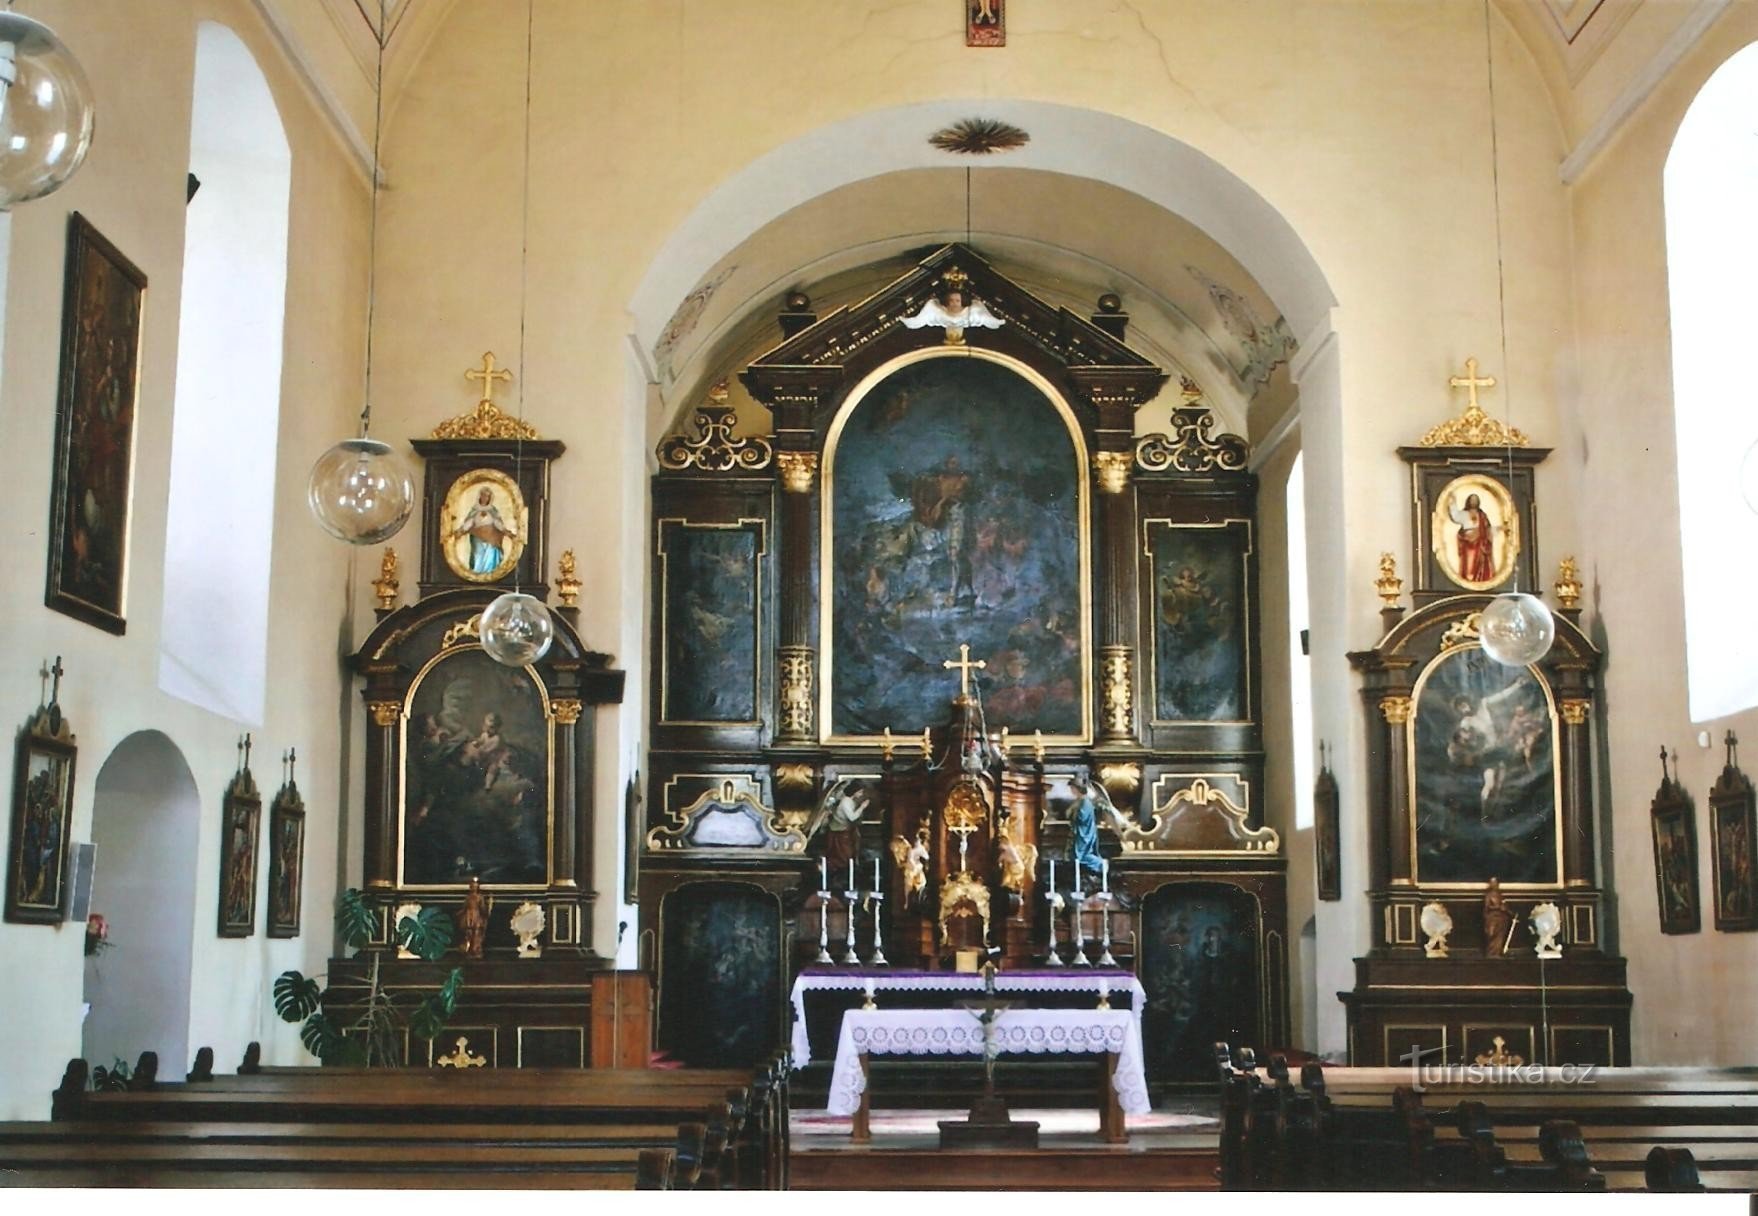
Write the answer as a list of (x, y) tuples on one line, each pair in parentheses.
[(979, 137)]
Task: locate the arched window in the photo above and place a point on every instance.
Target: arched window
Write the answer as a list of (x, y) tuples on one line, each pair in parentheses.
[(213, 649), (1299, 662), (1711, 185)]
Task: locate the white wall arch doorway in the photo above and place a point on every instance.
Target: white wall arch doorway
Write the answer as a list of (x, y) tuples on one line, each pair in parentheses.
[(146, 823)]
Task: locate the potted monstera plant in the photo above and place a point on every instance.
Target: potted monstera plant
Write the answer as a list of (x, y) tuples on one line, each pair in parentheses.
[(371, 1039)]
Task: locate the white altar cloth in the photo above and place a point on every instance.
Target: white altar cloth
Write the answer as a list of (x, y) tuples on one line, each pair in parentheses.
[(941, 1032), (854, 979)]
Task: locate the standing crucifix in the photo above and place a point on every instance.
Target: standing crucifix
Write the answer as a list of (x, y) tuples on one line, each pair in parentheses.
[(989, 1124), (965, 665), (488, 374)]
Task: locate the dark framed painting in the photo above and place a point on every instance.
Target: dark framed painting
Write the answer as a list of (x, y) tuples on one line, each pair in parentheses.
[(1483, 774), (240, 818), (477, 796), (94, 429), (1675, 856), (286, 859), (956, 513), (1201, 643), (1326, 830), (720, 950), (1198, 963), (1733, 819), (42, 813), (711, 600)]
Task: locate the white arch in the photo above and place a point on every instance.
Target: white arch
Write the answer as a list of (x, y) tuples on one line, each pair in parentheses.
[(1065, 139), (213, 645)]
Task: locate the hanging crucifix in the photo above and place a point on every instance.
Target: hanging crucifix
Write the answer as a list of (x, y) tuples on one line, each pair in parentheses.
[(985, 22)]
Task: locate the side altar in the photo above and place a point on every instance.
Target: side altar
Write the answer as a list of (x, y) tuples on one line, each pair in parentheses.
[(479, 776), (953, 663)]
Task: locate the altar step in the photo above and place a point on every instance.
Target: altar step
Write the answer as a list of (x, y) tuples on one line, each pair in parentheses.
[(1167, 1151)]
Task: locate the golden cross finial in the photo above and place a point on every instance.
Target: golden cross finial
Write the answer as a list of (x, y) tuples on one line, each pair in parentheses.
[(1471, 382), (488, 374), (965, 664)]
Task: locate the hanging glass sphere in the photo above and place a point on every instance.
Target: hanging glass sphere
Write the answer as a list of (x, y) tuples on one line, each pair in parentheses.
[(516, 629), (46, 115), (1749, 477), (361, 491), (1516, 629)]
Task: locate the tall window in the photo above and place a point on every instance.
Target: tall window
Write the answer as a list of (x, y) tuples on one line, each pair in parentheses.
[(1299, 662), (213, 650), (1711, 185)]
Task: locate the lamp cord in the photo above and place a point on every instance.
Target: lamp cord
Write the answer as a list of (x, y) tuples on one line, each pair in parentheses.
[(378, 125), (524, 260), (1495, 177)]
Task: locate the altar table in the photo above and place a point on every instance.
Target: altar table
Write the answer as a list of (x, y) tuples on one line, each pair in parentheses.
[(1114, 1032), (885, 980)]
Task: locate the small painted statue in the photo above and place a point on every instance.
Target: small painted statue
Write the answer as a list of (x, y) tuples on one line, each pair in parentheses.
[(1497, 920), (1083, 822), (473, 920)]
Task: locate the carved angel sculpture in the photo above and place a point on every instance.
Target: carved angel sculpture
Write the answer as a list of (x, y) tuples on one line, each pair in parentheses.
[(912, 863), (839, 814), (1017, 860)]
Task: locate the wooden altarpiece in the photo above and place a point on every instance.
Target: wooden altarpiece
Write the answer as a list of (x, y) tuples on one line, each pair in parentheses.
[(940, 476), (474, 769), (1478, 771)]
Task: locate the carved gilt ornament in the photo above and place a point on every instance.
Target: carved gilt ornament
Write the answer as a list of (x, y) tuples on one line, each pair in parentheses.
[(714, 449), (1191, 448)]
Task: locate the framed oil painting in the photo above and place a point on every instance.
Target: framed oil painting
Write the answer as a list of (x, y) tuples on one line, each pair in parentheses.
[(94, 429), (955, 512), (1733, 821), (1675, 856), (486, 525), (286, 858), (1484, 778), (1198, 962), (1326, 831), (477, 776), (1475, 532), (711, 600), (721, 950), (240, 817), (42, 812), (1200, 660)]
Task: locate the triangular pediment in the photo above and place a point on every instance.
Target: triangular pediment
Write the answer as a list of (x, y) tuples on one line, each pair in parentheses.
[(1060, 334)]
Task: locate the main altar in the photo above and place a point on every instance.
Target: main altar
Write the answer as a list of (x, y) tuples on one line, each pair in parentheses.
[(954, 664)]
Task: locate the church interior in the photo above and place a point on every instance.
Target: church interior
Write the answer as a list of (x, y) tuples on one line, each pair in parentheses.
[(1027, 594)]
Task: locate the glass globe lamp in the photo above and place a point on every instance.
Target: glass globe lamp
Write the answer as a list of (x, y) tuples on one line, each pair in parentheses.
[(516, 629), (361, 491), (1516, 629), (46, 114)]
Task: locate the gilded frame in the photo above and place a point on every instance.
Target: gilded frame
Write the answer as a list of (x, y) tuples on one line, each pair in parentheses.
[(1556, 774), (45, 737), (476, 481), (403, 740), (1442, 530), (827, 534)]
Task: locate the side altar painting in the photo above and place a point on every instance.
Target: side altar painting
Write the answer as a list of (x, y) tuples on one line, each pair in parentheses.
[(711, 600), (1199, 629), (476, 776), (956, 517), (1484, 776)]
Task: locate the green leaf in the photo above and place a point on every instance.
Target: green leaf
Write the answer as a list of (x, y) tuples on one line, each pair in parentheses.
[(296, 997), (348, 1053), (355, 918), (448, 991), (320, 1036), (428, 1019), (427, 933)]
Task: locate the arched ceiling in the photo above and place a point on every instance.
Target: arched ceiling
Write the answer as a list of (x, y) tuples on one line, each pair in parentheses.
[(1193, 307)]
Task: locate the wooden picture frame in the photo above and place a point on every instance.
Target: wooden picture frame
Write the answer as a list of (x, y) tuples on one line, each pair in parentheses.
[(94, 430), (1326, 831), (42, 812), (1674, 828), (241, 815), (286, 848), (1733, 827)]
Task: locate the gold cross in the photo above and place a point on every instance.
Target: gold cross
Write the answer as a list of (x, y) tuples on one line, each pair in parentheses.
[(1472, 381), (964, 663), (488, 374)]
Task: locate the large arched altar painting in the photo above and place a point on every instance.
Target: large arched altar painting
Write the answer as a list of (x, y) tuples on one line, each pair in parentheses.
[(955, 514)]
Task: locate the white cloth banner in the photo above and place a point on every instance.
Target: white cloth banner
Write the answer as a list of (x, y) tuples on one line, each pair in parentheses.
[(1073, 979), (942, 1032)]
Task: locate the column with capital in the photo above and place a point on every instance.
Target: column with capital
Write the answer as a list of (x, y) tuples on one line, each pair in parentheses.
[(1115, 563), (1577, 808)]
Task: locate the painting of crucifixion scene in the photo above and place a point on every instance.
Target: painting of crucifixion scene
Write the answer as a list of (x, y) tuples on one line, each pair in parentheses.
[(956, 519), (476, 776), (1485, 776)]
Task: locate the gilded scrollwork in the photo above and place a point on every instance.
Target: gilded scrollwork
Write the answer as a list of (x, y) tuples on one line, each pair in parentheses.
[(1117, 691), (798, 673), (715, 449), (1191, 448)]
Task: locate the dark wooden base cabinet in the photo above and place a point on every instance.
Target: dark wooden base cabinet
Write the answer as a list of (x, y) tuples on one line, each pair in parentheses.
[(513, 1013), (1507, 1011)]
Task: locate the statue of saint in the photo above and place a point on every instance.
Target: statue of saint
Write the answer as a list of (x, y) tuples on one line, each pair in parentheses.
[(473, 920), (1083, 820), (488, 533), (912, 863), (1477, 563), (839, 816), (1497, 920)]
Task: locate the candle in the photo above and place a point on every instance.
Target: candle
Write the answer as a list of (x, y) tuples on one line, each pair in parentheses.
[(1104, 875), (1104, 989), (875, 873), (823, 876), (851, 874), (1052, 874)]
